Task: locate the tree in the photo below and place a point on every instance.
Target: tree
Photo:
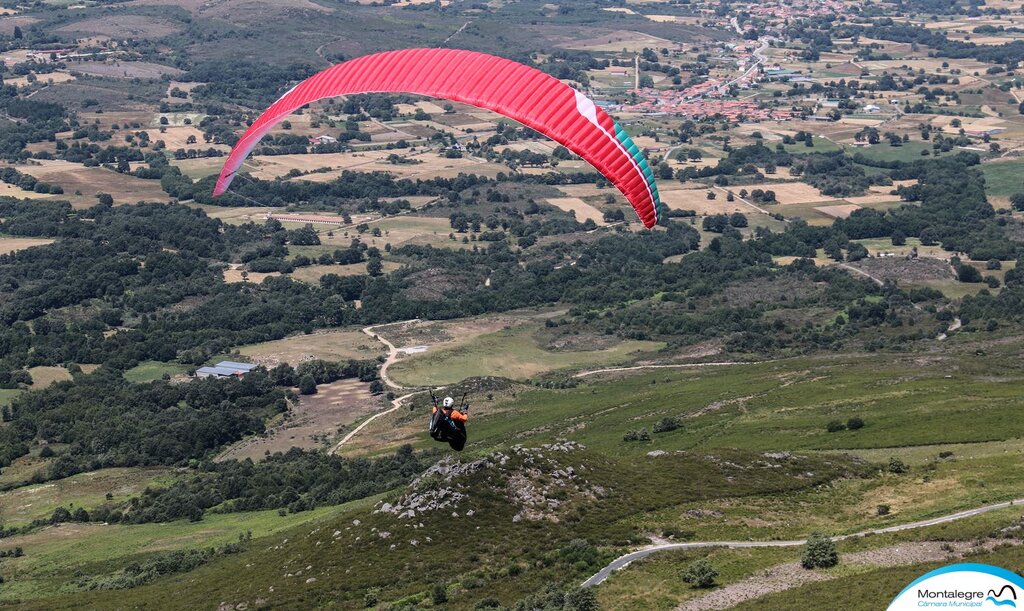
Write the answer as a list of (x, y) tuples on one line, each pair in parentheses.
[(376, 387), (700, 574), (581, 599), (820, 552), (307, 385), (17, 33), (855, 423), (834, 426), (1017, 200), (439, 594), (899, 238), (737, 219), (856, 251), (968, 273), (105, 199), (374, 266), (60, 515), (833, 250)]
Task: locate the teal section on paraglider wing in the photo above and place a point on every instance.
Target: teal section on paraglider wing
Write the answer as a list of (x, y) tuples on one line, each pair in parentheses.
[(641, 161)]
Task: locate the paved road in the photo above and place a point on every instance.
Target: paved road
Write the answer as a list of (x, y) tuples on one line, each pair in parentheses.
[(624, 560)]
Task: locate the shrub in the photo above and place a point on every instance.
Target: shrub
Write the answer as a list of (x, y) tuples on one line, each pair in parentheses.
[(855, 423), (667, 424), (700, 574), (581, 599), (641, 435), (439, 594), (883, 510), (897, 466), (820, 552), (307, 385), (835, 426)]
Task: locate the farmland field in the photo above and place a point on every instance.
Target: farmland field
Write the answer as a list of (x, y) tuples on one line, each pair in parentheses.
[(314, 423), (332, 345), (512, 353), (44, 376), (9, 244), (153, 370), (1003, 178)]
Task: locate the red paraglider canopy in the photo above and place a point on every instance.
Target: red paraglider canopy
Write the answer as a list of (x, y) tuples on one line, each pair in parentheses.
[(519, 92)]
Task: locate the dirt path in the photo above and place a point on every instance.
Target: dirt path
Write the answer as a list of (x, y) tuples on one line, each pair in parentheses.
[(395, 404), (457, 32), (390, 360), (952, 329), (591, 372), (791, 575), (624, 560), (392, 351), (855, 270)]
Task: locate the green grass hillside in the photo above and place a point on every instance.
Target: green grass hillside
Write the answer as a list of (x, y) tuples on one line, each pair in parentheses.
[(549, 490)]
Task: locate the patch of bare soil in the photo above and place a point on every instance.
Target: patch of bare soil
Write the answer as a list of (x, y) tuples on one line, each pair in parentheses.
[(791, 575), (314, 423), (905, 269), (768, 290), (1015, 230), (124, 26), (125, 69), (436, 284), (577, 342)]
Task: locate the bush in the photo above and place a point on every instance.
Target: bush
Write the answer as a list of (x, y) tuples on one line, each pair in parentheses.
[(667, 424), (700, 574), (994, 264), (307, 385), (897, 466), (967, 273), (581, 599), (820, 552), (855, 423), (883, 510), (835, 426), (439, 594), (641, 435)]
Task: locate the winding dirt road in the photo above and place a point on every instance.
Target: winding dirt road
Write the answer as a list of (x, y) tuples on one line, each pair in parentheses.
[(390, 360), (624, 560)]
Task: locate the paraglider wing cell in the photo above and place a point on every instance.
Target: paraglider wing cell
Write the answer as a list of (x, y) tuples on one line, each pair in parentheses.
[(519, 92)]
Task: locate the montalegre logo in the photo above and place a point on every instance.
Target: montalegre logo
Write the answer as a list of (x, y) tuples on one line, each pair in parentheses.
[(962, 586)]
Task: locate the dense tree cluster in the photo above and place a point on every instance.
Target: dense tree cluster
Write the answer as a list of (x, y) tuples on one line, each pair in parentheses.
[(296, 480)]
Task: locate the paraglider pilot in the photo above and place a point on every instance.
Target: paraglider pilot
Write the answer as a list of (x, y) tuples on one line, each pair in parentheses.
[(448, 423)]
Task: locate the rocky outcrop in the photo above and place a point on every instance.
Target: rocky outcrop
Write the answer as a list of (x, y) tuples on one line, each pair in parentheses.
[(540, 483)]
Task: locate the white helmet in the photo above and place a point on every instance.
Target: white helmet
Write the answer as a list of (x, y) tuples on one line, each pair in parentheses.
[(448, 402)]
